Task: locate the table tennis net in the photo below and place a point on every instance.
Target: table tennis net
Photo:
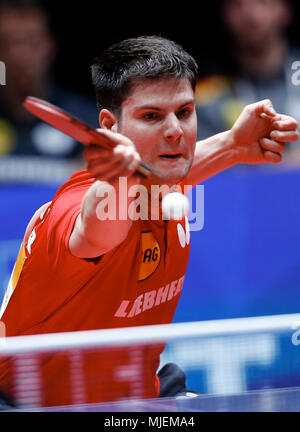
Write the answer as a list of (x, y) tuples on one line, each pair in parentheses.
[(223, 357)]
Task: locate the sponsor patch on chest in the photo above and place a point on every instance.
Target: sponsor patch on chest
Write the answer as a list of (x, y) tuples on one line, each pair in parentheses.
[(150, 257)]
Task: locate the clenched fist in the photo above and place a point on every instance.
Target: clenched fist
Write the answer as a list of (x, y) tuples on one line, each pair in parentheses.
[(259, 134)]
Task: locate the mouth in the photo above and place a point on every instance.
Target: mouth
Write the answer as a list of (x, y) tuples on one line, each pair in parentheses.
[(171, 156)]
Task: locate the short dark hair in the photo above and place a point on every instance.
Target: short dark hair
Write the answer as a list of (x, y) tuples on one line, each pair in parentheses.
[(136, 59)]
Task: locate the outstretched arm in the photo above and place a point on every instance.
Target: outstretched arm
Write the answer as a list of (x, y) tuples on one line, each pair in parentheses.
[(92, 237), (258, 136)]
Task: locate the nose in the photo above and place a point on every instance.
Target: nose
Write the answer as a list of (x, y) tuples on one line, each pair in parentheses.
[(173, 130)]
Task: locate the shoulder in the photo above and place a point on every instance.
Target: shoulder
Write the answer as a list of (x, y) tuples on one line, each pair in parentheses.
[(37, 215), (66, 204), (80, 180)]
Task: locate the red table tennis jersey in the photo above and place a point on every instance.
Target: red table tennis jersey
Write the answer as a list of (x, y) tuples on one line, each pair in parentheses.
[(137, 283)]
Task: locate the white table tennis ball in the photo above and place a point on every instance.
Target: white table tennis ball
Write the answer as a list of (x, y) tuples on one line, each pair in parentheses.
[(174, 206)]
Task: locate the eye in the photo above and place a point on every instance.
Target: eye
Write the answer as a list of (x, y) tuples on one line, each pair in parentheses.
[(150, 116), (184, 113)]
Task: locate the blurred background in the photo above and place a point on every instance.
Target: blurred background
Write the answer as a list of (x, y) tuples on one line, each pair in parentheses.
[(245, 260)]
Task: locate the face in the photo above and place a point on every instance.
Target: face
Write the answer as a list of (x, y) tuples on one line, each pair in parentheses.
[(253, 22), (159, 117), (26, 46)]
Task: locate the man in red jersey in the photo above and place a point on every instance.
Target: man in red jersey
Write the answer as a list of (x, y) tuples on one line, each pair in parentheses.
[(76, 272)]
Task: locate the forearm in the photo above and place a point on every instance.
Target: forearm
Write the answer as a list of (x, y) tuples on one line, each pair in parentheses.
[(212, 155)]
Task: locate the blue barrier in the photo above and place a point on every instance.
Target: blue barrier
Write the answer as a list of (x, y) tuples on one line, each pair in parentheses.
[(245, 260)]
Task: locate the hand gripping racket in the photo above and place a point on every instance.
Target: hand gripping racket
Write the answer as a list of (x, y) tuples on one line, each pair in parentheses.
[(72, 126)]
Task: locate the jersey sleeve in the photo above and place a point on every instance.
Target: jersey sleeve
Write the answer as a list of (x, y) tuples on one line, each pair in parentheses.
[(59, 225)]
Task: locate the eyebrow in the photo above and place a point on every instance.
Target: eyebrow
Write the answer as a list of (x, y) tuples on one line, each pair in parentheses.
[(153, 107)]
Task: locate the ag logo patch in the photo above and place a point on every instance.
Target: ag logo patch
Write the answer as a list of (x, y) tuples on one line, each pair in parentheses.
[(150, 258)]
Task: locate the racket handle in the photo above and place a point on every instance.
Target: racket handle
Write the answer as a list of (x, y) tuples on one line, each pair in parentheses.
[(143, 170)]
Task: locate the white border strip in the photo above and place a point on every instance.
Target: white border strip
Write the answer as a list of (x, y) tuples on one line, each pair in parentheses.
[(145, 334)]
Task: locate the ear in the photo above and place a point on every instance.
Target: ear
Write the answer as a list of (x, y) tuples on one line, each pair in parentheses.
[(108, 120)]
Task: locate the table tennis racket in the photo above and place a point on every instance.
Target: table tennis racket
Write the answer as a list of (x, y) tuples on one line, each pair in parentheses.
[(72, 126)]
